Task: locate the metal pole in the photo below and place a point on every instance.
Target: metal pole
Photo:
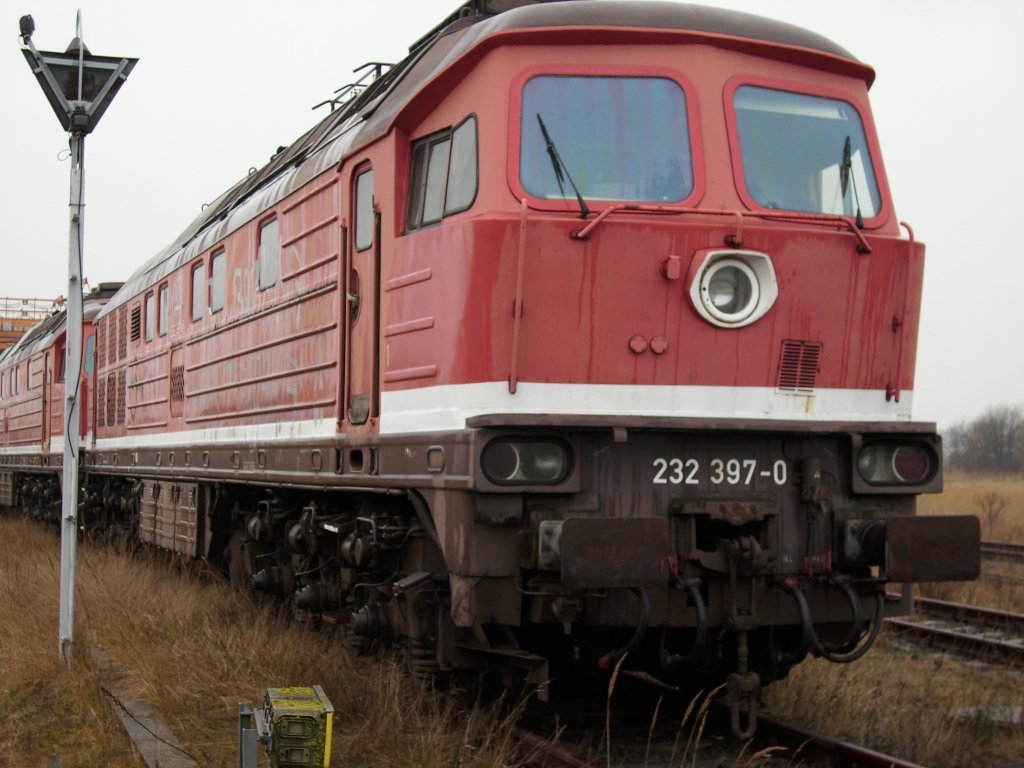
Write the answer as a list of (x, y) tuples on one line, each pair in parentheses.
[(72, 379), (248, 737)]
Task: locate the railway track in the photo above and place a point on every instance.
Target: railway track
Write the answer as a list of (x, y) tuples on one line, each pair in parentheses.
[(779, 744), (813, 750), (1002, 551), (789, 744), (538, 752), (980, 632)]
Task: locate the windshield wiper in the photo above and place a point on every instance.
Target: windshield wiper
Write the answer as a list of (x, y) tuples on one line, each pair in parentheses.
[(559, 166), (846, 176)]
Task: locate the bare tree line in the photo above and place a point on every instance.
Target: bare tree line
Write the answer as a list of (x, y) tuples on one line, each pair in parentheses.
[(992, 442)]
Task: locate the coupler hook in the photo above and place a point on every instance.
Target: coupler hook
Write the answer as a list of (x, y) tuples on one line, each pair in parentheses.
[(743, 686)]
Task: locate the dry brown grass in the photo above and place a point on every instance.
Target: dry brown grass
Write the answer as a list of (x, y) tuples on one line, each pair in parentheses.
[(194, 648), (903, 701), (48, 709), (998, 501)]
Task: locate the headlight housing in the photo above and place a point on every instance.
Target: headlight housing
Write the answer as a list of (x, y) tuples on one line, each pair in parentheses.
[(732, 288), (525, 461), (897, 464)]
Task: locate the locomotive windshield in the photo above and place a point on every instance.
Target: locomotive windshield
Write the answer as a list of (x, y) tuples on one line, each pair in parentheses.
[(619, 138), (804, 153)]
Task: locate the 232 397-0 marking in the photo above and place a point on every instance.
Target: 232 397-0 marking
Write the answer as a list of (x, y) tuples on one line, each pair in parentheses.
[(718, 472)]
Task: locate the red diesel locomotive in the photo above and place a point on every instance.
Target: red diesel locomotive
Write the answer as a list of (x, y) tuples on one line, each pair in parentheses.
[(586, 331)]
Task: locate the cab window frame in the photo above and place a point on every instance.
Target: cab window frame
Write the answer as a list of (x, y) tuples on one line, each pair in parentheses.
[(849, 97), (430, 189), (163, 308), (217, 283), (198, 290), (364, 226), (268, 254), (149, 316), (569, 203)]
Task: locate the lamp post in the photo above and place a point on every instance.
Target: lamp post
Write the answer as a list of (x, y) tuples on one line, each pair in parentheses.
[(79, 87)]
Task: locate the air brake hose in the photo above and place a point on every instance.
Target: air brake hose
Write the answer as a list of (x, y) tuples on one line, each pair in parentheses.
[(856, 626), (423, 515), (696, 653), (609, 659), (811, 637)]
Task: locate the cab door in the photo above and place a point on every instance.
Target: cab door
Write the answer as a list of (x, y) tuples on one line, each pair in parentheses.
[(363, 309)]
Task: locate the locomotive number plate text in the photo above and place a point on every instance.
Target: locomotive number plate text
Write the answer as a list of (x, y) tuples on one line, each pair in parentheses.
[(677, 471)]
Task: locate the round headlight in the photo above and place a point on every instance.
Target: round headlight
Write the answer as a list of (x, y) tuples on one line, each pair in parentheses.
[(525, 462), (729, 290), (732, 288)]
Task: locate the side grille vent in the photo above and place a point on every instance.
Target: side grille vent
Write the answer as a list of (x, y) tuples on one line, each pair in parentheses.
[(136, 322), (122, 334), (178, 384), (121, 392), (101, 347), (101, 401), (799, 366), (112, 399)]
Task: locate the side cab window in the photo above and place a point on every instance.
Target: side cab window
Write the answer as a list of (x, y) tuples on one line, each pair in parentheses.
[(364, 210), (150, 316), (268, 257), (218, 281), (163, 309), (198, 291), (444, 176)]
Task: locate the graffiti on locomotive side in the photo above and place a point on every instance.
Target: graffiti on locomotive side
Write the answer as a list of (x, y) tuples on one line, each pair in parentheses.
[(677, 471)]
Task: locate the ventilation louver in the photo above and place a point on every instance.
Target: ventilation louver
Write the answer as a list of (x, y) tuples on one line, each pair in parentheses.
[(798, 366)]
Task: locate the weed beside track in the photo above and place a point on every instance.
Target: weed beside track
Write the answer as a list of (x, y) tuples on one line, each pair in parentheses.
[(194, 648)]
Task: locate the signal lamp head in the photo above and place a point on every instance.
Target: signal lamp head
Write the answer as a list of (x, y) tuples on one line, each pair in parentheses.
[(896, 464), (525, 461)]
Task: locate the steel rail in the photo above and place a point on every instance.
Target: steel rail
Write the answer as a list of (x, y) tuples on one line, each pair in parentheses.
[(1003, 551), (973, 614), (816, 750), (981, 632), (538, 752)]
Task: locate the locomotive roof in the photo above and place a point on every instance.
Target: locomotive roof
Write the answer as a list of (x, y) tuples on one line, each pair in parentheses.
[(370, 114), (43, 330), (42, 335)]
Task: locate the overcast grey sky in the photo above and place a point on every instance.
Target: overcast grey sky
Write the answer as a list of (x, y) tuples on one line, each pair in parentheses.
[(220, 85)]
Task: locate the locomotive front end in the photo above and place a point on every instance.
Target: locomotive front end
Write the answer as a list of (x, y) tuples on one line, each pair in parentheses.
[(692, 444), (702, 554)]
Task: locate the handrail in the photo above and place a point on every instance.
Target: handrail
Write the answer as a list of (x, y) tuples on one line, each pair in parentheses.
[(666, 210)]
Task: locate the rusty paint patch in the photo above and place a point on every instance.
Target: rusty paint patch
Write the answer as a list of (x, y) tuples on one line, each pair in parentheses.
[(942, 548), (606, 552)]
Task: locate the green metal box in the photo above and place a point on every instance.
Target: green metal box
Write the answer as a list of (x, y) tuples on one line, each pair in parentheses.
[(299, 721)]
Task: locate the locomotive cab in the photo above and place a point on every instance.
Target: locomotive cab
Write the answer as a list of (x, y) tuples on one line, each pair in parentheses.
[(685, 354)]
